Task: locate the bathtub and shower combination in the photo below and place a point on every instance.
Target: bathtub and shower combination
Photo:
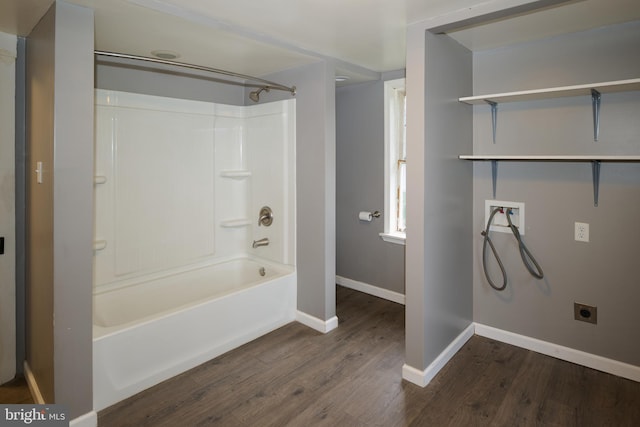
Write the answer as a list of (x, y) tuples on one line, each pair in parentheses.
[(186, 266)]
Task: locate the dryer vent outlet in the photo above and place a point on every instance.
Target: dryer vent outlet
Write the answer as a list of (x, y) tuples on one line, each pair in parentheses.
[(585, 313)]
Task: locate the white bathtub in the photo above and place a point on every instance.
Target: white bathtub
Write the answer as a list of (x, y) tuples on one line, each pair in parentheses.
[(148, 332)]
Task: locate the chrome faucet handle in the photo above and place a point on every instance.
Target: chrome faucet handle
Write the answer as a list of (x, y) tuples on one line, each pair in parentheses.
[(266, 216)]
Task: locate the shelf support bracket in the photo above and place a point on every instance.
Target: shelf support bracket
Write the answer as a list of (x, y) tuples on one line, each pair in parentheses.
[(595, 104), (494, 175), (595, 170), (494, 117)]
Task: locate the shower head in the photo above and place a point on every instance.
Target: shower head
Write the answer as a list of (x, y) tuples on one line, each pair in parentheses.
[(255, 95)]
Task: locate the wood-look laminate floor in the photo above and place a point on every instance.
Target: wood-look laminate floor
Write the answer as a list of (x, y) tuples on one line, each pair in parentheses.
[(15, 391), (351, 377)]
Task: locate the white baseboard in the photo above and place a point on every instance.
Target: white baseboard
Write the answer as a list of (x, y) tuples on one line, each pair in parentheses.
[(33, 385), (371, 290), (422, 378), (589, 360), (90, 419), (319, 325)]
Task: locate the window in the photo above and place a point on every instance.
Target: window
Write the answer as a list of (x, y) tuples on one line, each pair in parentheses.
[(395, 161)]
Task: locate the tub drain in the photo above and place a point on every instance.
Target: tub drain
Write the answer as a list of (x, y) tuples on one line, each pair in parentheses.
[(262, 271)]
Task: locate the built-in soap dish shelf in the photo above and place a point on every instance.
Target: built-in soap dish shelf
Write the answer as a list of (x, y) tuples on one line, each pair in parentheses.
[(99, 245), (235, 223), (235, 173)]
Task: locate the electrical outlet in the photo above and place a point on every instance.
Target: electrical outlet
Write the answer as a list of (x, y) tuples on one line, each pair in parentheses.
[(581, 232), (585, 313)]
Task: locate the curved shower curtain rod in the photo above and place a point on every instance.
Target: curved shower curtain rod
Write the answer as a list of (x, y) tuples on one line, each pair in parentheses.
[(266, 84)]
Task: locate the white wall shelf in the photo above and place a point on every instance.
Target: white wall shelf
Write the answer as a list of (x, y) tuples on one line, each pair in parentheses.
[(594, 90), (547, 158), (555, 92), (99, 245), (595, 161)]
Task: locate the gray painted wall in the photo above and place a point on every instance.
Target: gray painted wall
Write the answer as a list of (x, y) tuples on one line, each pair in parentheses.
[(73, 207), (40, 123), (361, 254), (60, 210), (21, 204), (8, 71), (439, 196), (602, 272), (315, 184)]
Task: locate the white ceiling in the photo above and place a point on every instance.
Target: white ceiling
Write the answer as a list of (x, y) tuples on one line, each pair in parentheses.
[(362, 37)]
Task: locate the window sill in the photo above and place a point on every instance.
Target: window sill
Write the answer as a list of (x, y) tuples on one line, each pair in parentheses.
[(397, 238)]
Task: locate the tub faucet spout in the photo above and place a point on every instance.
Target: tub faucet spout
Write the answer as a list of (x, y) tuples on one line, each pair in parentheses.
[(261, 242)]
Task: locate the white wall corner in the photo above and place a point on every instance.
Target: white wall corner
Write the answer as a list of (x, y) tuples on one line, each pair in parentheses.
[(90, 419), (422, 378), (579, 357), (371, 290), (319, 325)]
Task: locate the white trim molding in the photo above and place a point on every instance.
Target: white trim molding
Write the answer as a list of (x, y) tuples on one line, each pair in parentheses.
[(33, 385), (610, 366), (422, 378), (319, 325), (589, 360), (371, 290), (397, 238), (394, 113), (90, 419)]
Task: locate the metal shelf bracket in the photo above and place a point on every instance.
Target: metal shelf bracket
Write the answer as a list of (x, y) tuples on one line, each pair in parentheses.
[(494, 117), (595, 171), (596, 98), (494, 175)]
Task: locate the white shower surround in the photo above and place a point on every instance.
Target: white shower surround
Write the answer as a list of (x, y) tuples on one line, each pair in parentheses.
[(179, 185)]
